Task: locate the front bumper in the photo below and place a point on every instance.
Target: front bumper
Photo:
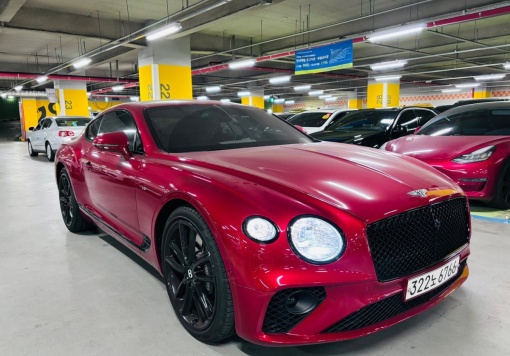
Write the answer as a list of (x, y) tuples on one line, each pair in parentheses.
[(357, 309)]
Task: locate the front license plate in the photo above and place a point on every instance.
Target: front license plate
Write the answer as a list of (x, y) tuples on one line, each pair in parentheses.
[(431, 280)]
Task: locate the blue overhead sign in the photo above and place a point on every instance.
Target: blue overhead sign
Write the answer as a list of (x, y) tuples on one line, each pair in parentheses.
[(325, 58)]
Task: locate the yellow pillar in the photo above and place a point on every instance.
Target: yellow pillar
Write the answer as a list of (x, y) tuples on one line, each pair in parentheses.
[(481, 92), (165, 70), (353, 101), (72, 98), (255, 99), (383, 94)]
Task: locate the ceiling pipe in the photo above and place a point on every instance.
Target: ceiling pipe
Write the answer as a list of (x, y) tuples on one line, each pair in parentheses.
[(477, 15), (11, 75)]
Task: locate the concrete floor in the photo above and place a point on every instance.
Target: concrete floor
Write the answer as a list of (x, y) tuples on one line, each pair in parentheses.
[(67, 294)]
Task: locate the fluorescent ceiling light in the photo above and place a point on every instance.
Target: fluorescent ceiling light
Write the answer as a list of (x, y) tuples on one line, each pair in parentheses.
[(289, 102), (213, 89), (225, 100), (242, 64), (490, 77), (118, 88), (83, 62), (279, 101), (450, 90), (243, 93), (325, 96), (331, 98), (4, 95), (396, 32), (10, 97), (164, 31), (18, 87), (506, 65), (316, 92), (387, 77), (388, 65), (467, 85), (266, 97), (41, 79), (202, 97), (279, 80), (134, 98), (302, 87)]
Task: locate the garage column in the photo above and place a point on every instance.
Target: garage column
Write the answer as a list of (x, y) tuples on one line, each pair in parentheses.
[(383, 94), (164, 69), (354, 101), (71, 97), (481, 92), (256, 98)]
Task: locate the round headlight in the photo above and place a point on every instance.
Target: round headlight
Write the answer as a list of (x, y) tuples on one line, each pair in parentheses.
[(316, 240), (260, 229)]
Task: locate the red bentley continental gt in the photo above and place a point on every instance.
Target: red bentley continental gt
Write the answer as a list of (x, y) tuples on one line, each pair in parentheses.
[(262, 231), (471, 145)]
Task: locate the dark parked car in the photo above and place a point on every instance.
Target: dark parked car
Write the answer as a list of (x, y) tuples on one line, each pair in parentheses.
[(373, 127)]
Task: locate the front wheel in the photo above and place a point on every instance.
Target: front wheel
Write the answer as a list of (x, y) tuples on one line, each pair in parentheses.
[(502, 196), (69, 206), (195, 277), (31, 150), (50, 154)]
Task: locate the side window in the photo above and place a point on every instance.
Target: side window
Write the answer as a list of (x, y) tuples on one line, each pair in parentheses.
[(46, 123), (93, 128), (38, 127), (424, 116), (408, 120), (121, 120)]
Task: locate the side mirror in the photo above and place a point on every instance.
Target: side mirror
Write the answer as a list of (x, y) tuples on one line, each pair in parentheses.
[(113, 142), (416, 130), (31, 128)]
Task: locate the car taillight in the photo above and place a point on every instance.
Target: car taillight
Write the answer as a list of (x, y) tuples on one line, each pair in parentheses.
[(65, 133)]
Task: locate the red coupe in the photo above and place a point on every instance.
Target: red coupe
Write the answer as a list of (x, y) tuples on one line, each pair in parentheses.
[(261, 230), (471, 145)]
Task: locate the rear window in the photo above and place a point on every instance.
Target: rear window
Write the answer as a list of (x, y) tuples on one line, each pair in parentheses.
[(310, 119), (73, 121)]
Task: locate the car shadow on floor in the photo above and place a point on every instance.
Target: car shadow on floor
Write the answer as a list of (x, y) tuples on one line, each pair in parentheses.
[(132, 255)]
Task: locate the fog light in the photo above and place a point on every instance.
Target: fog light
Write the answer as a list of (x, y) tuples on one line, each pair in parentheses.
[(301, 302)]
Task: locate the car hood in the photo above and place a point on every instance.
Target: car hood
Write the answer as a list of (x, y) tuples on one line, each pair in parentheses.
[(346, 136), (430, 148), (369, 183)]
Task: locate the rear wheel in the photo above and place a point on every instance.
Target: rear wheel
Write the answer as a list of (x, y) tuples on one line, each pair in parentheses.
[(50, 154), (68, 206), (502, 196), (195, 277), (31, 150)]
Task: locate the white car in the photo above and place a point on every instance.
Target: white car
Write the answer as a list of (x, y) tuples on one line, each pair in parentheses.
[(51, 132), (317, 120)]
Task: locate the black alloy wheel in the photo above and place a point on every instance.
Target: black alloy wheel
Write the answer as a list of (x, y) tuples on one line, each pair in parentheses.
[(195, 277), (502, 196), (68, 206)]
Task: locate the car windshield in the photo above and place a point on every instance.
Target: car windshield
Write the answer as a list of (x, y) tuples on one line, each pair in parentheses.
[(378, 120), (72, 121), (190, 128), (310, 119), (481, 122)]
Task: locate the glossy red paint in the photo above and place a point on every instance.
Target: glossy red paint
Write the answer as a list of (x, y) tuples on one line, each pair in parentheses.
[(348, 185), (477, 179)]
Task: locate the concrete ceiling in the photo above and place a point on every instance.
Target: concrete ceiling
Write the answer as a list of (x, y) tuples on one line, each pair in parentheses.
[(43, 36)]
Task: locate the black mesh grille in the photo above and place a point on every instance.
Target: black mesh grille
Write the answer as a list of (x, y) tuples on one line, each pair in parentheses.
[(409, 242), (278, 319), (387, 308)]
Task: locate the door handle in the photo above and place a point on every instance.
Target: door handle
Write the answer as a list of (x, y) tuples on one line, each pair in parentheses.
[(88, 165)]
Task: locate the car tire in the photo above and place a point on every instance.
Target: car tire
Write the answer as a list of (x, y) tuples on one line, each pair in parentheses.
[(31, 150), (71, 213), (196, 279), (501, 198), (50, 154)]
